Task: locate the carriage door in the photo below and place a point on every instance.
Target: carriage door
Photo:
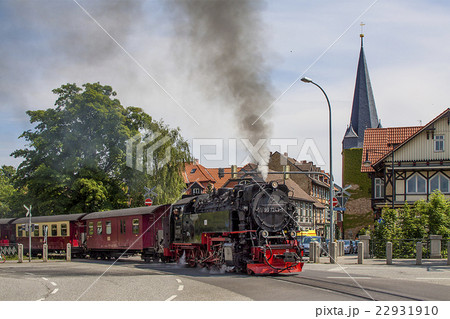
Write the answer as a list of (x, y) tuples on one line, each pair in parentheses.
[(122, 233)]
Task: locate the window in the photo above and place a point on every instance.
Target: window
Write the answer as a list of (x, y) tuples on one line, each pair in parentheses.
[(19, 231), (36, 230), (108, 228), (54, 230), (135, 226), (439, 143), (193, 170), (379, 188), (99, 228), (122, 227), (196, 191), (415, 184), (63, 229), (91, 228), (439, 182)]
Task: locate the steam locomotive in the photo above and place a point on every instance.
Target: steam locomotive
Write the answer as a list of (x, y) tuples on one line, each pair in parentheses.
[(250, 228)]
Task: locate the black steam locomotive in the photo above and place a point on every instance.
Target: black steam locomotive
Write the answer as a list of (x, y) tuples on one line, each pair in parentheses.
[(250, 227)]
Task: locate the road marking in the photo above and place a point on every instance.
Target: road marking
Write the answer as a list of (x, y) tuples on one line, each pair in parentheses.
[(171, 298), (54, 284), (431, 278), (349, 277), (54, 291), (179, 281), (180, 287), (44, 278), (29, 273), (337, 269)]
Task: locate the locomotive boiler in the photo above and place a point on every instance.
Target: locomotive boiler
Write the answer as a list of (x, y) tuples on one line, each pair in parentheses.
[(250, 227)]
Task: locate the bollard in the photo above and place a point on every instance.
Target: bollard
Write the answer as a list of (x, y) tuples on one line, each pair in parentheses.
[(45, 253), (360, 252), (419, 253), (389, 253), (333, 253), (448, 252), (435, 246), (317, 253), (20, 253), (312, 247), (68, 252), (365, 239), (342, 248)]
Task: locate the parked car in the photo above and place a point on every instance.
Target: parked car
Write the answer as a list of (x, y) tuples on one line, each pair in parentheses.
[(305, 241), (350, 247)]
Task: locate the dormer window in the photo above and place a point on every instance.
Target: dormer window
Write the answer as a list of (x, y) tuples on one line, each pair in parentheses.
[(439, 143), (193, 170)]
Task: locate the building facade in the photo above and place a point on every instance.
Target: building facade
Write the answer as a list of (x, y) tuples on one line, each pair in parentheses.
[(409, 163)]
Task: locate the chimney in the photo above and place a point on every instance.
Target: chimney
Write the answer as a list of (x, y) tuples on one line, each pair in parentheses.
[(286, 154), (286, 169), (233, 171), (196, 161)]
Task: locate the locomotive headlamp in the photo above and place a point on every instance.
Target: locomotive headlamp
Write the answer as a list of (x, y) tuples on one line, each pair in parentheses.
[(293, 234), (274, 184), (265, 234)]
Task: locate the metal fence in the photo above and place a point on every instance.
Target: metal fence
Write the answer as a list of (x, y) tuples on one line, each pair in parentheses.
[(404, 248), (9, 249)]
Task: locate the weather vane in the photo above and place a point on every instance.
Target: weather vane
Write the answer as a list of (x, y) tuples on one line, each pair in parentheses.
[(362, 29)]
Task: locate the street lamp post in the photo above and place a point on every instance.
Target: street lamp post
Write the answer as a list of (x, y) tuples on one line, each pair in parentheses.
[(308, 80)]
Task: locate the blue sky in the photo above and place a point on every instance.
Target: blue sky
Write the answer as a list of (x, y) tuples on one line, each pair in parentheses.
[(49, 43)]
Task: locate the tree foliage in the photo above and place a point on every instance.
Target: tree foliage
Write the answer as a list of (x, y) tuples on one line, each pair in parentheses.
[(409, 224), (76, 157)]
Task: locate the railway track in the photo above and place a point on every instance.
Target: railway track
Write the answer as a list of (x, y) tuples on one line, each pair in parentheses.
[(350, 289)]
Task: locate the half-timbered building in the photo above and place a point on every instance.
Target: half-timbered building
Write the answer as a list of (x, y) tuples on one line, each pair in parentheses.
[(407, 164)]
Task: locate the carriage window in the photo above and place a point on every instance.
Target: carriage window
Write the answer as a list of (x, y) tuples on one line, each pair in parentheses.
[(123, 228), (63, 229), (99, 228), (108, 228), (135, 226), (54, 230), (36, 230), (91, 228)]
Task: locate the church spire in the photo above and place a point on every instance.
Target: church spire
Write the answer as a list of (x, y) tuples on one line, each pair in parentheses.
[(364, 113)]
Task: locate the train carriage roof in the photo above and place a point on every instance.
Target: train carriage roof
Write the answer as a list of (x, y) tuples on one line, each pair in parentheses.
[(124, 212), (5, 221), (49, 219)]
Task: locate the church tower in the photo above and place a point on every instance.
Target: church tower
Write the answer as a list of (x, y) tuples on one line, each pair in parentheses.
[(364, 115)]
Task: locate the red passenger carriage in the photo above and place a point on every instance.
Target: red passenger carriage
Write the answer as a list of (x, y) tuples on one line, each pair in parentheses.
[(128, 231), (57, 231)]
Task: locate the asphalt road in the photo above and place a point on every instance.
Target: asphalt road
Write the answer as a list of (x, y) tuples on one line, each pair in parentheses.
[(131, 280)]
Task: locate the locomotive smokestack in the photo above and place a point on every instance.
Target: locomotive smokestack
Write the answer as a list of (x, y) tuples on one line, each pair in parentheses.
[(233, 171), (226, 51)]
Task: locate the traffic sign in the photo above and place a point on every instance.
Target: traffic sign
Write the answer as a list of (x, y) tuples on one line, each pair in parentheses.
[(339, 209), (148, 202), (335, 202)]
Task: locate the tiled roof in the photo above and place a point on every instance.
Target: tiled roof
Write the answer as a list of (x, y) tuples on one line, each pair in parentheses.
[(378, 142), (298, 192), (196, 173)]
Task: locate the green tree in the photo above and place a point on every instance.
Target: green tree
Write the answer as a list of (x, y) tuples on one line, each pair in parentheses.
[(7, 190), (76, 160), (437, 214)]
